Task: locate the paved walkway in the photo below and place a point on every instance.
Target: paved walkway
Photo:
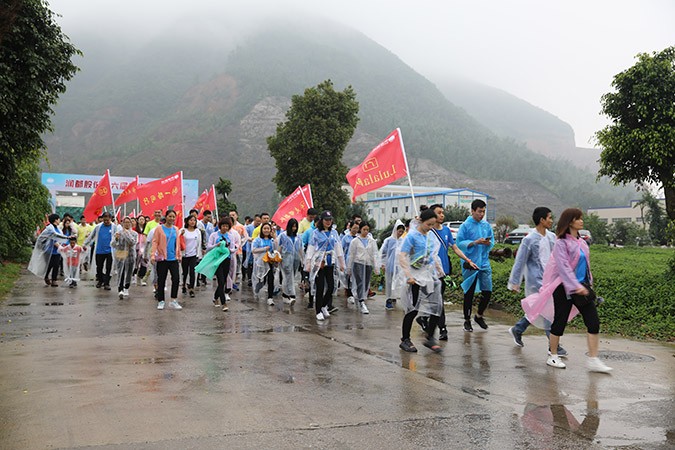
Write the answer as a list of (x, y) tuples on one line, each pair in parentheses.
[(80, 368)]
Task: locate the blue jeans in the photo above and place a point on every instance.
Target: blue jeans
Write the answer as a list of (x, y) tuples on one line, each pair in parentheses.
[(522, 324)]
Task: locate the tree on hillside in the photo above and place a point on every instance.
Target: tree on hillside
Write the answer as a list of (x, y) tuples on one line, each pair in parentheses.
[(503, 225), (639, 144), (308, 146), (654, 216), (454, 213), (223, 190), (35, 64)]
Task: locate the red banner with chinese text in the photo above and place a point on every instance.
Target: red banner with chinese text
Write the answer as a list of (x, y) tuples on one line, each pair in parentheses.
[(383, 165), (101, 197), (129, 194), (294, 206), (161, 193)]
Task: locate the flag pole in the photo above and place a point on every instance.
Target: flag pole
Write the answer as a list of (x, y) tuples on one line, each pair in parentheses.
[(407, 169), (304, 198), (215, 206), (112, 197)]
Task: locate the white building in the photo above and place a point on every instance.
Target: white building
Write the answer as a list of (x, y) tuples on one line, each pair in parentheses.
[(630, 213), (395, 202)]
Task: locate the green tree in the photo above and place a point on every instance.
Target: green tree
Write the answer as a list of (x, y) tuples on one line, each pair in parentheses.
[(598, 228), (655, 217), (35, 64), (359, 209), (308, 146), (223, 190), (454, 213), (639, 144), (503, 225)]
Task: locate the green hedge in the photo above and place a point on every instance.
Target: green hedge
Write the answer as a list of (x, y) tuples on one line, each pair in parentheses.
[(639, 294)]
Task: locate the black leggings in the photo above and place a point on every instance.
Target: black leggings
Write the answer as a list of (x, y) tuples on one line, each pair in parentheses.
[(563, 306), (103, 273), (188, 264), (410, 317), (163, 269), (221, 275), (269, 279), (53, 266), (325, 285), (468, 301)]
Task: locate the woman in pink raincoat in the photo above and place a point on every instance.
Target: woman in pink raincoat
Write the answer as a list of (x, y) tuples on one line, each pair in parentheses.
[(562, 293)]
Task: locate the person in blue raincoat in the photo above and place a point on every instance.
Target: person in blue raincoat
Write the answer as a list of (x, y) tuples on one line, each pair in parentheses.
[(292, 255), (475, 238)]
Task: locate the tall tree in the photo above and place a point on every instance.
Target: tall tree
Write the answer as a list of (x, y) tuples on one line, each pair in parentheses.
[(223, 190), (309, 145), (35, 63), (639, 144)]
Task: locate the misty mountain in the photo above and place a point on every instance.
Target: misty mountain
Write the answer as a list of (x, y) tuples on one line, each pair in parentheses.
[(509, 116), (205, 103)]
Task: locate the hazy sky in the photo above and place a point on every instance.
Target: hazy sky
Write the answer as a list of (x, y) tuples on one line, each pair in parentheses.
[(558, 55)]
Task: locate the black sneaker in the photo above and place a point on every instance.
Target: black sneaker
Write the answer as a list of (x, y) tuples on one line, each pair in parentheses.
[(517, 337), (443, 334), (422, 322), (467, 326), (192, 293), (184, 290), (98, 285), (310, 305), (481, 322), (106, 287), (432, 345), (407, 346)]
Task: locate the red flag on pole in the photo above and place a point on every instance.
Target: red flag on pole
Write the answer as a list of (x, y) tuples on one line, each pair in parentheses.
[(118, 214), (161, 193), (294, 206), (133, 213), (101, 197), (128, 194), (199, 204), (385, 164), (210, 203)]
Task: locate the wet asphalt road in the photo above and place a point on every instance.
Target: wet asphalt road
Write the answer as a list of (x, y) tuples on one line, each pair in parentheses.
[(80, 368)]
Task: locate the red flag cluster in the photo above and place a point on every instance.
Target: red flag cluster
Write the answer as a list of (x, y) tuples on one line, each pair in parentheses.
[(101, 197), (294, 206), (160, 194), (206, 202)]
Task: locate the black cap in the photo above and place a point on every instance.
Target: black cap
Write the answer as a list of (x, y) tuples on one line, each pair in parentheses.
[(326, 215)]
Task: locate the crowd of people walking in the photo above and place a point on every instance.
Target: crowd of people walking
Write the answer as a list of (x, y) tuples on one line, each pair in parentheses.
[(315, 258)]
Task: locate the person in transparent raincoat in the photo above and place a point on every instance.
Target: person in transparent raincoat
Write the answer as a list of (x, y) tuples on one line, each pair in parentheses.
[(418, 280), (46, 258), (350, 233), (124, 244), (71, 254), (102, 237), (363, 260), (323, 259), (264, 249), (292, 254), (390, 247)]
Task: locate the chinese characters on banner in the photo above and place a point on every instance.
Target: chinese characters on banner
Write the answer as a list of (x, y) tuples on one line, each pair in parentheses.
[(294, 206), (129, 194), (384, 164)]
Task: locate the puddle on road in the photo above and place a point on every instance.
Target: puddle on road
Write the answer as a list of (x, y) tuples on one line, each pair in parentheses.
[(155, 360)]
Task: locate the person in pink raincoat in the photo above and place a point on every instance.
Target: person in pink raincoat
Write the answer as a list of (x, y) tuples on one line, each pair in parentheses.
[(562, 293)]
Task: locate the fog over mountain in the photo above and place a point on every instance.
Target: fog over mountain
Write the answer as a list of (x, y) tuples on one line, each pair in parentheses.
[(202, 92)]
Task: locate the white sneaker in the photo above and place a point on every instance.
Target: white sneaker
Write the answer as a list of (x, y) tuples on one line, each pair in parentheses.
[(174, 305), (143, 283), (595, 365), (134, 281), (350, 300), (125, 292), (160, 305), (554, 361), (364, 309), (325, 312), (270, 302), (227, 297), (320, 316)]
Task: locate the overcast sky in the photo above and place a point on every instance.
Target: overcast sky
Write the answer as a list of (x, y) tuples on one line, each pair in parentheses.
[(558, 55)]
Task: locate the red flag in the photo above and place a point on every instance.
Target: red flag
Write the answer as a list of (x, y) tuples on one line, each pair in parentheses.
[(210, 203), (118, 215), (161, 193), (199, 204), (385, 164), (133, 213), (294, 206), (128, 194), (179, 215), (101, 197)]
